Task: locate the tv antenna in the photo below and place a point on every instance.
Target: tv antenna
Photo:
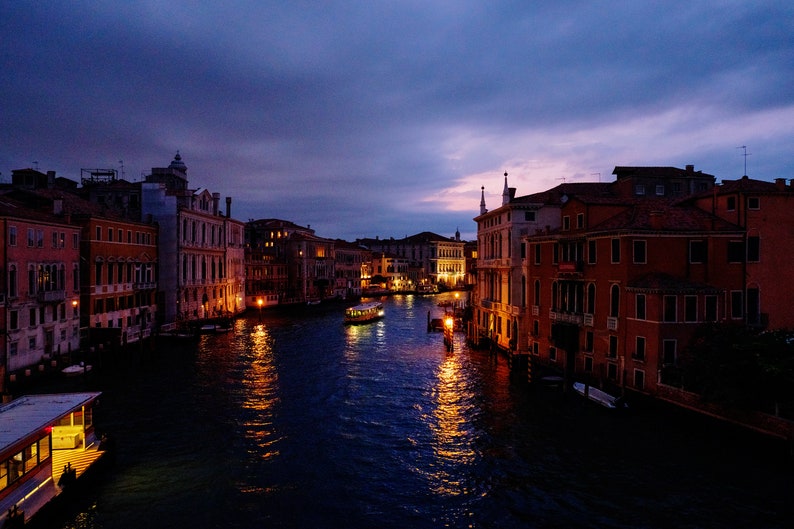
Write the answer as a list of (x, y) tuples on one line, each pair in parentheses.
[(121, 162), (746, 154)]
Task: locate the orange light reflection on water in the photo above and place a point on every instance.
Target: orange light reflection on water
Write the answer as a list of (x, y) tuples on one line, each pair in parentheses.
[(260, 393)]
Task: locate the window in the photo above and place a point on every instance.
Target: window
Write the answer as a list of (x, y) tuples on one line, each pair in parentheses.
[(711, 308), (32, 318), (735, 251), (753, 306), (660, 190), (591, 251), (588, 341), (591, 294), (553, 354), (639, 252), (12, 281), (98, 233), (40, 238), (613, 346), (639, 379), (669, 352), (737, 304), (13, 320), (566, 223), (12, 235), (529, 216), (614, 301), (580, 220), (690, 308), (75, 240), (55, 239), (615, 251), (670, 309), (612, 371), (31, 238), (537, 253), (698, 251), (731, 204), (640, 306), (588, 364), (110, 234), (753, 203), (753, 249), (639, 189), (639, 348)]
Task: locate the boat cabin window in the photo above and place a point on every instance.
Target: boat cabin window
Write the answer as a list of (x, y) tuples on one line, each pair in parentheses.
[(17, 465)]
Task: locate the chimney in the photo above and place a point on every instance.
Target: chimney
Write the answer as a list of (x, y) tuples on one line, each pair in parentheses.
[(690, 168), (50, 179), (228, 207), (512, 192), (780, 183), (216, 199), (656, 219)]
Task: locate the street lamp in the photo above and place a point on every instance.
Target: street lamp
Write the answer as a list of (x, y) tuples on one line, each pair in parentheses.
[(259, 302)]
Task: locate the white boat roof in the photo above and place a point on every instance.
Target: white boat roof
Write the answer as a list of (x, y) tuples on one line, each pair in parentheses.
[(367, 305), (31, 413)]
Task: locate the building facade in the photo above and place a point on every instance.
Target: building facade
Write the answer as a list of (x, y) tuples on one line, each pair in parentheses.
[(40, 298), (201, 249)]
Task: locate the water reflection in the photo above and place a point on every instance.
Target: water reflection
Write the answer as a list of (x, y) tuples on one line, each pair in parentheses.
[(258, 391), (451, 428)]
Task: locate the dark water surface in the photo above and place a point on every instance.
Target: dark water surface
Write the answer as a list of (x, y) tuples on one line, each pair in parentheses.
[(296, 420)]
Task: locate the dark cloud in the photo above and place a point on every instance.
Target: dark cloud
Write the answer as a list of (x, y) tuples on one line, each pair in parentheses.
[(396, 112)]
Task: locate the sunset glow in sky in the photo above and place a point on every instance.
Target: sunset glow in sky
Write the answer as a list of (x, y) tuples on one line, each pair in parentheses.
[(385, 118)]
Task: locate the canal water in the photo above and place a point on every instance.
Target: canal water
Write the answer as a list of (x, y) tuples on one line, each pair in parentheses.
[(295, 420)]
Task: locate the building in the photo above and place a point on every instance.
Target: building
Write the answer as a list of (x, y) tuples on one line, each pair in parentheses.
[(118, 259), (350, 269), (201, 250), (40, 296), (607, 283), (432, 258)]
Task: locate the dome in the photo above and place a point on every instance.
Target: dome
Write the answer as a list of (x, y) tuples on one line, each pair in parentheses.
[(178, 164)]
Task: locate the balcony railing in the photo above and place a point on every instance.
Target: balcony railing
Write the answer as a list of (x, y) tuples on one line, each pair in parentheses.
[(51, 296), (612, 323), (145, 285), (588, 320)]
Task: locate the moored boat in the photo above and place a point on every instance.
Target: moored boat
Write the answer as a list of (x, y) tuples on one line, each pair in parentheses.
[(601, 397), (76, 369), (365, 312)]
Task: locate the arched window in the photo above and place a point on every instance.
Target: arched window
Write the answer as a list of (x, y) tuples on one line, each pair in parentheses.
[(536, 299), (12, 281), (614, 301)]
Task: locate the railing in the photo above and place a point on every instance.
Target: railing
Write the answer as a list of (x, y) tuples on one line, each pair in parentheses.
[(148, 285), (51, 296), (612, 323), (588, 320)]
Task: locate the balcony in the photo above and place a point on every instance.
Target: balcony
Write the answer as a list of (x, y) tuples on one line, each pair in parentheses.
[(51, 296), (612, 324), (566, 317), (588, 320), (570, 267), (148, 285)]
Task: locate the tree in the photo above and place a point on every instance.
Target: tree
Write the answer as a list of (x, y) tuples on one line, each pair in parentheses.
[(736, 366)]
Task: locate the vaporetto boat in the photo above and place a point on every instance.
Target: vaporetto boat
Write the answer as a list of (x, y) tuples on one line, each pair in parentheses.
[(365, 312)]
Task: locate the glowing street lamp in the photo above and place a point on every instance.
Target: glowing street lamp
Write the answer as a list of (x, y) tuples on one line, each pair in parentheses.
[(259, 302)]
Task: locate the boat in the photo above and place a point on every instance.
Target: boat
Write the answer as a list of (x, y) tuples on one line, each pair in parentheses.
[(365, 312), (47, 443), (76, 369), (601, 397)]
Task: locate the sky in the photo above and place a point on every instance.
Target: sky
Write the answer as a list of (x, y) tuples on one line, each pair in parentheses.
[(387, 118)]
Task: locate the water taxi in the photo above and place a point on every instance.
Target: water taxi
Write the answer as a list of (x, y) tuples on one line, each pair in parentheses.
[(364, 312), (46, 443)]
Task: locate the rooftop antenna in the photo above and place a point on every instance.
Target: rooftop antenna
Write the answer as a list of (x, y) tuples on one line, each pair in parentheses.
[(121, 162), (746, 154), (596, 174)]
